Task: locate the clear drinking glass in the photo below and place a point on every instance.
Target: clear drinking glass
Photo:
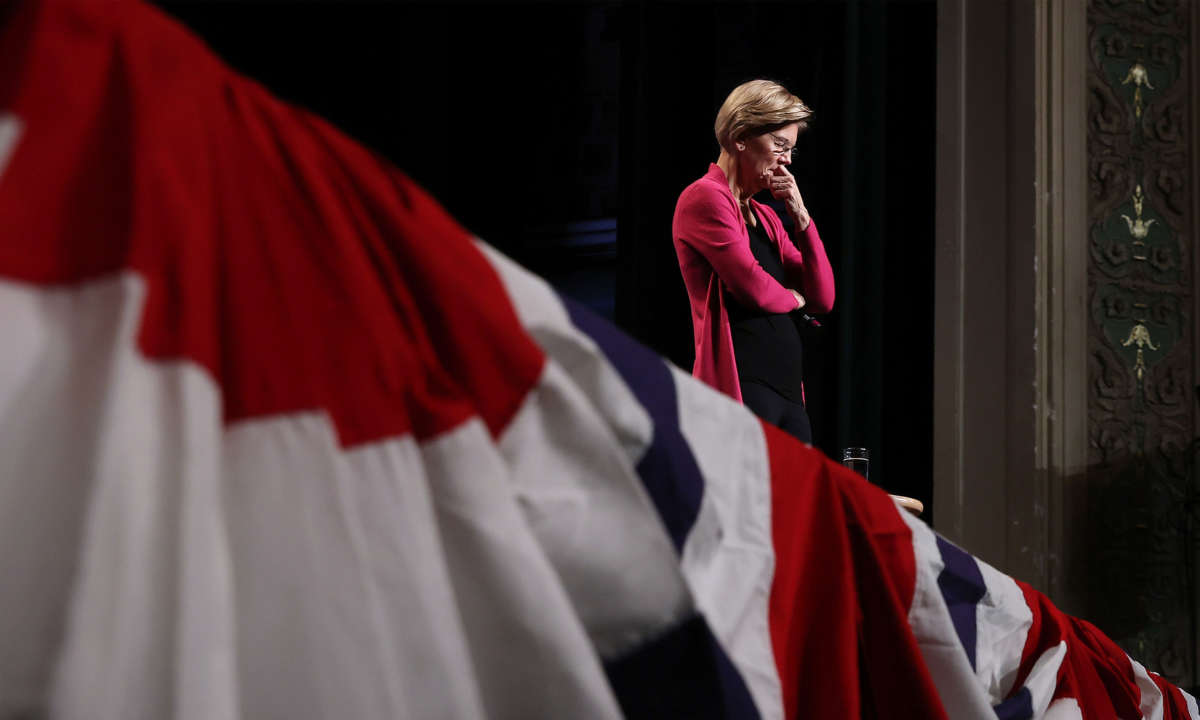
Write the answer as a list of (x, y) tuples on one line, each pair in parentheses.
[(857, 459)]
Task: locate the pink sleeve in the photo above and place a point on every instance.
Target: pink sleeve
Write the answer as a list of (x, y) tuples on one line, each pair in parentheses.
[(808, 267), (707, 222)]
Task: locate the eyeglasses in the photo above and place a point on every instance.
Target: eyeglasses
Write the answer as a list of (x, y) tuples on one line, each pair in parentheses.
[(781, 147)]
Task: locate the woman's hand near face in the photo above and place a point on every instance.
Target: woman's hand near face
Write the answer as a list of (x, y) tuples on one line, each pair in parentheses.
[(783, 187)]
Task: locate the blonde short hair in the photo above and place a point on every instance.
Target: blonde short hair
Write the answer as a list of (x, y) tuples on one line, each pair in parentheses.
[(756, 107)]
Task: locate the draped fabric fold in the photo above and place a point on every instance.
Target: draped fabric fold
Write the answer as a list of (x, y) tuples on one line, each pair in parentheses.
[(278, 438)]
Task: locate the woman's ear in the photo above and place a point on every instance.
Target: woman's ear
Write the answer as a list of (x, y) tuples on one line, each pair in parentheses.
[(741, 146)]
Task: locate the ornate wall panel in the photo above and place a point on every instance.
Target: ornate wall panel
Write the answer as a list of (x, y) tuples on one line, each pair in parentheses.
[(1141, 490)]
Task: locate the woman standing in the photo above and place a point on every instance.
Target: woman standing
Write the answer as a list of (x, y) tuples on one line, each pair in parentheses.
[(744, 275)]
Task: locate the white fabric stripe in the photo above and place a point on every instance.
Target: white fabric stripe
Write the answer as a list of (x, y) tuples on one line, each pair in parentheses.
[(513, 603), (316, 555), (729, 558), (962, 696), (1063, 709), (258, 571), (134, 562), (728, 573), (458, 611), (584, 499), (10, 132), (544, 317), (588, 509), (1002, 623), (1043, 677), (46, 396), (1151, 704), (1193, 711)]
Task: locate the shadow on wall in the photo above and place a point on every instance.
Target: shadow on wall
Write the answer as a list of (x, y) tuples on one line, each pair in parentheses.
[(1130, 566)]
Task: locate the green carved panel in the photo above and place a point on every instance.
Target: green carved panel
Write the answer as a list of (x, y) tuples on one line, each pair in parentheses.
[(1141, 492), (1171, 13)]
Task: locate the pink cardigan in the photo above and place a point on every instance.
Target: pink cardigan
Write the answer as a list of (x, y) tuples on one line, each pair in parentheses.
[(714, 256)]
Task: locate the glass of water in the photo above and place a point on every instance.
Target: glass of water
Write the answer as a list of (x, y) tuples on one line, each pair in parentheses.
[(857, 459)]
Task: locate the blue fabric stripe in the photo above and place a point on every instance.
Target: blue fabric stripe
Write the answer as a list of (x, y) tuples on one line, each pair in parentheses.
[(1017, 707), (682, 674), (668, 469), (962, 587)]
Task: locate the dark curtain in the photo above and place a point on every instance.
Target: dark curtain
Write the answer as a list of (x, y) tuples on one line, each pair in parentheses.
[(865, 168), (537, 124), (506, 112)]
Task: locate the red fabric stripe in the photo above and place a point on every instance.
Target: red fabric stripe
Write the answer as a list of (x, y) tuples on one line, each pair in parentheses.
[(1106, 686), (1042, 635), (1095, 671), (299, 269), (844, 580), (1174, 705)]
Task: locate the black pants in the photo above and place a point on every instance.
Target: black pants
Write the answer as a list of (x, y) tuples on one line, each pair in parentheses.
[(784, 414)]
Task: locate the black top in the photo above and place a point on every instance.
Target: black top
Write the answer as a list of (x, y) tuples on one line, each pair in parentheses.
[(766, 345)]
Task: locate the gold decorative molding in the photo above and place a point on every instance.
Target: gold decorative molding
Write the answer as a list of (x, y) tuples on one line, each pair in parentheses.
[(1140, 335), (1138, 228), (1139, 77)]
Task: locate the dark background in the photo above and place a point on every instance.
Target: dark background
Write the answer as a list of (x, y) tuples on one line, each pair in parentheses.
[(563, 134)]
